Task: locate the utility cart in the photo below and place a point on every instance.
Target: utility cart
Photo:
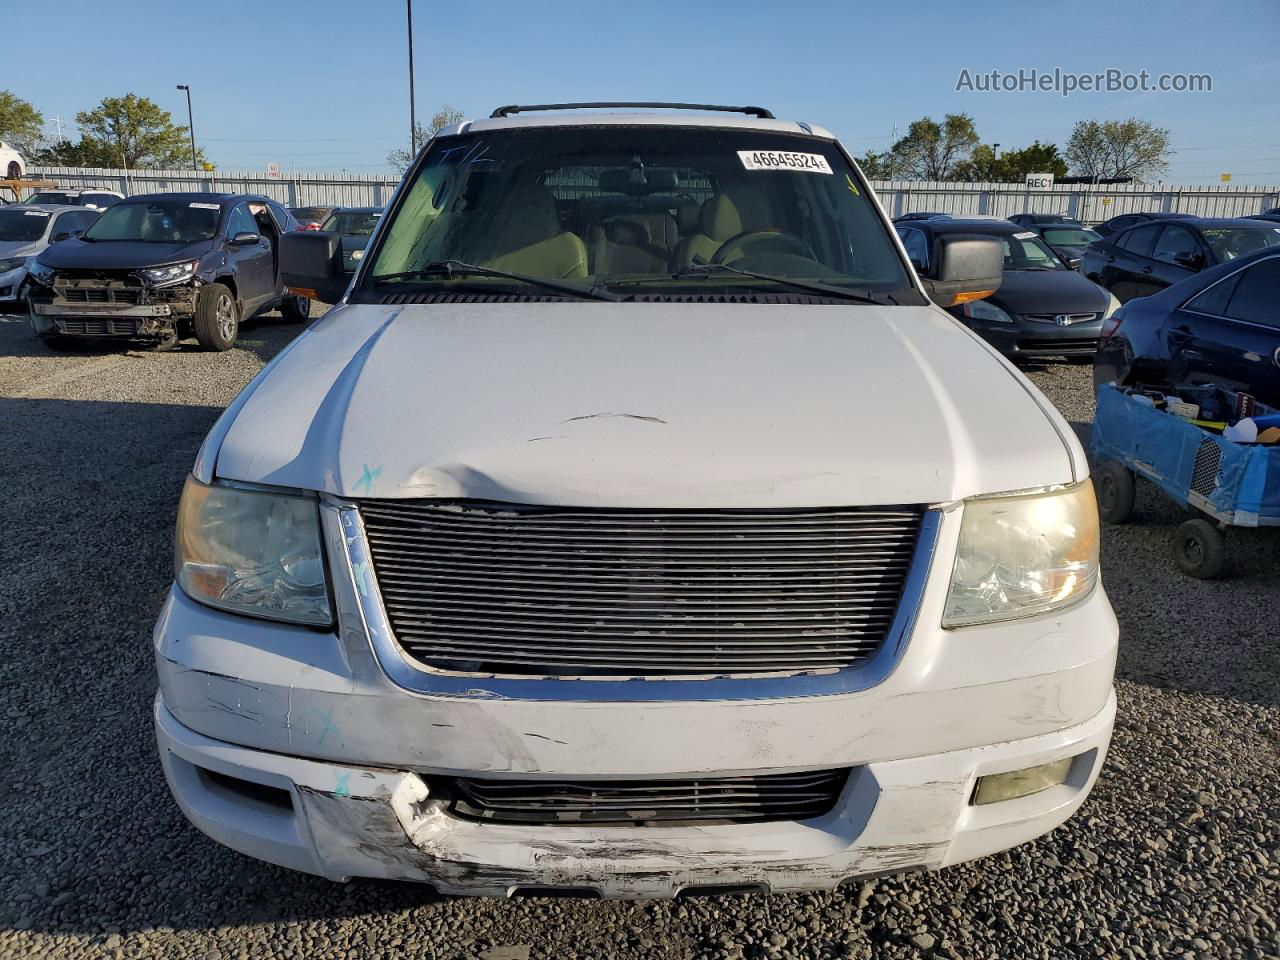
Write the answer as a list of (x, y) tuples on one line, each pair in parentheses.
[(1226, 484)]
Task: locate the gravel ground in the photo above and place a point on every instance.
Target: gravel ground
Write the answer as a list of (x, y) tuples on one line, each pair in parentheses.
[(1176, 853)]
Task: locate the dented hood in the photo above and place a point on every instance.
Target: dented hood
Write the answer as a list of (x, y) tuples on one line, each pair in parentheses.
[(645, 405)]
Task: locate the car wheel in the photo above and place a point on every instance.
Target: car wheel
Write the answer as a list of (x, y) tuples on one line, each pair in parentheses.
[(15, 171), (295, 309), (217, 319), (1199, 549), (1115, 488)]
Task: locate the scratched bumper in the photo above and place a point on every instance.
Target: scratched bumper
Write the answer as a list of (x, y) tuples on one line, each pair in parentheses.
[(345, 821)]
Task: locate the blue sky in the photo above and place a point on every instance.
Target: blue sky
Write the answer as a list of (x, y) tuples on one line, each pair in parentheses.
[(321, 84)]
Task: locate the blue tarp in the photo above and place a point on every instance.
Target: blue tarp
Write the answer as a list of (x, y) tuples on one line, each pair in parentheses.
[(1237, 482)]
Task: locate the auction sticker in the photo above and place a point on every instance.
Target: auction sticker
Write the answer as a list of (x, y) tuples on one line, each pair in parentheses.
[(35, 213), (1025, 235), (203, 206), (784, 160)]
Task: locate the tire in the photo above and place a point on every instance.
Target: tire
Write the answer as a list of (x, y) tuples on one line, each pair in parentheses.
[(295, 309), (1115, 486), (1199, 549), (14, 172), (217, 319)]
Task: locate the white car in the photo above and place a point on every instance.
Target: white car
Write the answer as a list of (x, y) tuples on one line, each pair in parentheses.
[(11, 163), (635, 524), (26, 230)]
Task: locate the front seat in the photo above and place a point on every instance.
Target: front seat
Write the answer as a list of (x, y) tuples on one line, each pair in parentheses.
[(637, 243), (526, 237), (718, 220)]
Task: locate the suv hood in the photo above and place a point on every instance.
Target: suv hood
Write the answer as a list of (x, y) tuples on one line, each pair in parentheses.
[(119, 254), (644, 405)]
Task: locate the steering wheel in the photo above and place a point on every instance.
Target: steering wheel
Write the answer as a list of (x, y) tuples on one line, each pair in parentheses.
[(748, 237)]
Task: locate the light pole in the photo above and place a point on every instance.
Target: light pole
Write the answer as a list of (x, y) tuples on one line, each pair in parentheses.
[(413, 119), (191, 127)]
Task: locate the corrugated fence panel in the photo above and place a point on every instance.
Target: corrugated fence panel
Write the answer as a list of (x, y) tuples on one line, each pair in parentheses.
[(1087, 202)]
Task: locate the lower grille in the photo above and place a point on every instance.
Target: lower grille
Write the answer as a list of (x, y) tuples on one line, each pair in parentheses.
[(97, 327), (1058, 344), (512, 589), (761, 799)]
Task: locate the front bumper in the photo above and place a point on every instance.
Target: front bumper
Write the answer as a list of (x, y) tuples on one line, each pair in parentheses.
[(319, 716), (11, 283), (111, 309), (343, 821), (1034, 339)]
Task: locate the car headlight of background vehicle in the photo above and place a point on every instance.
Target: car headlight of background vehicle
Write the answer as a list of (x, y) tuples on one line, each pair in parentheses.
[(1023, 555), (984, 310), (173, 273), (40, 273), (12, 263), (1112, 306), (252, 552)]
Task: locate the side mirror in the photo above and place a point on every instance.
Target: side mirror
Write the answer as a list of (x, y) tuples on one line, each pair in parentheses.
[(311, 265), (1192, 261), (966, 267), (63, 235), (246, 238)]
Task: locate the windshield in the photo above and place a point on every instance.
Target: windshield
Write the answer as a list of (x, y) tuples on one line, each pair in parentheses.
[(1026, 251), (16, 225), (623, 208), (1227, 243), (1078, 237), (50, 196), (156, 221), (351, 224)]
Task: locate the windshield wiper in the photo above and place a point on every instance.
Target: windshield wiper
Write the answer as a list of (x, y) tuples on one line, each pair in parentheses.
[(703, 269), (449, 269)]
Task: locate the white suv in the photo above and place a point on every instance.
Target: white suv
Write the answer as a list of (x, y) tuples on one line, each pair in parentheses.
[(12, 166), (635, 524)]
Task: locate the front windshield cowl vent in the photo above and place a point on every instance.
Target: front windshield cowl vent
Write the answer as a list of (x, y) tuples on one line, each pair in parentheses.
[(427, 296), (797, 298)]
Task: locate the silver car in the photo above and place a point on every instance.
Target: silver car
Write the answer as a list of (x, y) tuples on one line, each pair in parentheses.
[(25, 231)]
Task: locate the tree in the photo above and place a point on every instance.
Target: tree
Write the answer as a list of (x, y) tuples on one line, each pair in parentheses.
[(21, 124), (446, 116), (876, 166), (931, 150), (134, 131), (1012, 166), (1118, 148)]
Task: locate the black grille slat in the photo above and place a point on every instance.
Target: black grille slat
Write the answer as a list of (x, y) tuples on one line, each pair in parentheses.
[(755, 799), (517, 589)]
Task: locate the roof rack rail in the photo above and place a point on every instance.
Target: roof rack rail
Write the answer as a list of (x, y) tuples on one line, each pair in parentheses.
[(511, 108)]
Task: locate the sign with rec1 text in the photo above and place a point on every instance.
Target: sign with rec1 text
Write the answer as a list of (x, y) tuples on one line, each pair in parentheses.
[(1039, 181), (273, 171)]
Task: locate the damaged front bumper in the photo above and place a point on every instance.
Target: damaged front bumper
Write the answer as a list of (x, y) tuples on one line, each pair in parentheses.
[(113, 308), (342, 821)]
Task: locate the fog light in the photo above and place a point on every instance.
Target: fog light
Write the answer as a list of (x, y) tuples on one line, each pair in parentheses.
[(1021, 783)]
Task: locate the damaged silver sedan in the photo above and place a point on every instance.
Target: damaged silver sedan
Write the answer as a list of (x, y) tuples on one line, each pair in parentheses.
[(636, 524)]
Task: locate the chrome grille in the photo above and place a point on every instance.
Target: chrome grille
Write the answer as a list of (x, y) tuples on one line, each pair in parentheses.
[(512, 589), (759, 799), (1072, 318)]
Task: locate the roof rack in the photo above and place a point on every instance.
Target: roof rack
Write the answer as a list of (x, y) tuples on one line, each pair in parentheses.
[(508, 110)]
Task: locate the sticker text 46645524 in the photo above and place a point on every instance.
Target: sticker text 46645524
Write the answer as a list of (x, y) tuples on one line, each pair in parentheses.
[(784, 160)]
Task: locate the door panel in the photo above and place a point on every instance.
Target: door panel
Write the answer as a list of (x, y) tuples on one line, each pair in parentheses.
[(255, 273)]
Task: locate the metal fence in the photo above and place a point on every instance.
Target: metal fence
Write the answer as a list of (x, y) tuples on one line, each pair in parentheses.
[(1090, 204)]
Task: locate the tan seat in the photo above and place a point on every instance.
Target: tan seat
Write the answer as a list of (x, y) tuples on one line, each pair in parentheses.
[(718, 220), (636, 243), (525, 237)]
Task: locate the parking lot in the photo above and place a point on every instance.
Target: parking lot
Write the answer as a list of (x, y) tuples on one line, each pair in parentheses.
[(1176, 853)]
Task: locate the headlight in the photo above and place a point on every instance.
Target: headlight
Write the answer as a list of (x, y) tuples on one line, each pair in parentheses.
[(252, 552), (12, 263), (983, 310), (1112, 306), (1023, 555), (173, 273), (38, 272)]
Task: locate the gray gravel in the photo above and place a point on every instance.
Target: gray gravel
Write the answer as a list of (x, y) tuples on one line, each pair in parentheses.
[(1176, 854)]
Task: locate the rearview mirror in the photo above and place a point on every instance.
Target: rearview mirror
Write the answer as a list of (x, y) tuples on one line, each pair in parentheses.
[(966, 267), (311, 265), (246, 238)]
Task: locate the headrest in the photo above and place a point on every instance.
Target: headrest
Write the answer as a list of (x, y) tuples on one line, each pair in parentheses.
[(720, 219)]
